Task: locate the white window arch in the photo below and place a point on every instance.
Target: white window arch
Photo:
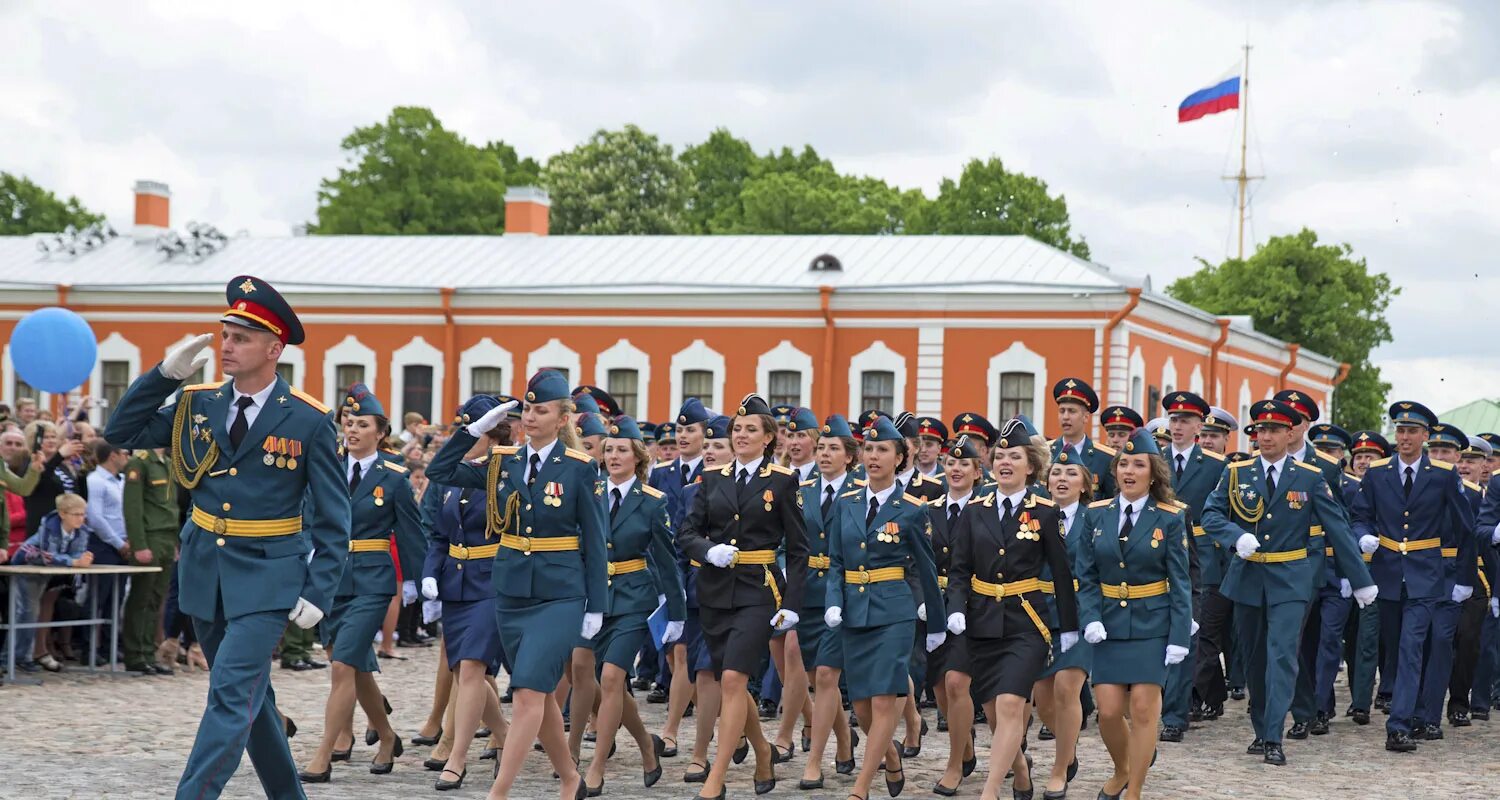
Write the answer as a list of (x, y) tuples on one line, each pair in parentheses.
[(349, 351), (1018, 359), (292, 356), (1137, 396), (416, 352), (624, 355), (1243, 409), (1168, 378), (698, 357), (484, 353), (211, 368), (554, 354), (1195, 381), (114, 348), (785, 357), (877, 358)]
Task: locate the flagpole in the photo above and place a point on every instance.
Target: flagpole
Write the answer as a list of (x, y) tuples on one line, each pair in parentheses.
[(1243, 179)]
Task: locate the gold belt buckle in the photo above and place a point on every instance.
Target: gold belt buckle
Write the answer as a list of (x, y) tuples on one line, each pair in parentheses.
[(463, 552), (864, 577), (1124, 591), (220, 525), (526, 545), (1403, 547), (609, 568)]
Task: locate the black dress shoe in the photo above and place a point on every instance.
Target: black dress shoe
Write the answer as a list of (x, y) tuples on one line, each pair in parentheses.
[(1274, 755), (1399, 742), (657, 695), (1115, 796), (719, 796), (1360, 716), (1257, 747), (844, 767), (435, 764), (895, 787), (427, 741), (742, 752), (295, 666), (1213, 712), (162, 669), (1237, 693), (371, 737), (316, 777), (1481, 714), (780, 755), (1060, 794), (1319, 726), (653, 776), (315, 664), (641, 684), (1045, 734), (697, 776), (489, 753), (1195, 714), (289, 726), (945, 791), (1432, 731), (764, 787), (1383, 703), (139, 670), (969, 765), (767, 709), (377, 768), (942, 725), (1459, 719), (1169, 733), (667, 751), (343, 755), (1297, 731), (509, 693), (1072, 772), (592, 791), (445, 785), (807, 785)]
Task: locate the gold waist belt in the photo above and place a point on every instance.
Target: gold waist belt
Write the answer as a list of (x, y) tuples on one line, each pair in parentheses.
[(245, 527), (464, 553)]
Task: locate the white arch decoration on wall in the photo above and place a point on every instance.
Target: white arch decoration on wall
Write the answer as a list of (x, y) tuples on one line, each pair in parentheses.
[(1019, 358), (114, 348), (1137, 398), (879, 357), (416, 352), (1168, 378), (554, 354), (784, 357), (484, 353), (293, 355), (349, 351), (1195, 381), (624, 355), (698, 355)]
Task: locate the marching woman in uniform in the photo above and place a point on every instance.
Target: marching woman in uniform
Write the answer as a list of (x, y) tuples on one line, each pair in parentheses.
[(460, 559), (740, 516), (380, 504), (822, 650), (962, 471), (799, 435), (1001, 547), (550, 574), (878, 532), (580, 678), (642, 565), (1059, 692), (1135, 604)]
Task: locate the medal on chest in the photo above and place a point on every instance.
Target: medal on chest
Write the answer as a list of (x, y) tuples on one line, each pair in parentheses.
[(1156, 538), (552, 494), (889, 533), (1030, 527), (379, 495), (768, 496)]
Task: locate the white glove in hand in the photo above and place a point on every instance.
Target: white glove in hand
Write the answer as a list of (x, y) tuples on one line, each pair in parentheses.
[(304, 615), (592, 622), (187, 358), (672, 633), (922, 612), (491, 418), (1495, 606), (935, 640), (1193, 631), (1495, 537), (661, 600), (431, 610), (430, 588), (785, 620), (1069, 638), (1094, 633), (1176, 654), (957, 624), (1462, 593), (408, 592), (1368, 544), (1246, 545), (833, 616), (721, 554), (1345, 590), (1366, 595)]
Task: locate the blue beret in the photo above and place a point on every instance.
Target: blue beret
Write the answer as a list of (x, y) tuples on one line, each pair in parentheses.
[(692, 412), (1141, 441), (882, 430), (545, 386), (836, 425), (361, 401), (586, 404)]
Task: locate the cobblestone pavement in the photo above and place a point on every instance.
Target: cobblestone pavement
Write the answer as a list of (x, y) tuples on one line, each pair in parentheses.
[(90, 736)]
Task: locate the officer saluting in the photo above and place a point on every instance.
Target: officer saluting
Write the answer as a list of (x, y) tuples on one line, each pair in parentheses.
[(261, 460), (1076, 404)]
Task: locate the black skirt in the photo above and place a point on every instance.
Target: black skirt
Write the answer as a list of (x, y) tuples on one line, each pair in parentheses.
[(1008, 665), (738, 639)]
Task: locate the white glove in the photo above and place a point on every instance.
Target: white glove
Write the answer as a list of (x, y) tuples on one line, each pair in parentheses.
[(721, 554), (1094, 633), (429, 588), (1176, 654), (408, 592), (1345, 590), (1069, 638), (785, 620), (957, 624), (1366, 595), (1246, 545), (833, 616), (431, 610), (672, 633), (187, 358), (1495, 537), (1368, 544), (1495, 606), (922, 612), (1462, 593), (491, 418), (935, 640), (1193, 631), (304, 615), (592, 622), (661, 600)]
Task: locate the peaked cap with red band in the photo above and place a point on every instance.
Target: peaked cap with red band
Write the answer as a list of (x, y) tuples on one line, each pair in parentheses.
[(256, 305)]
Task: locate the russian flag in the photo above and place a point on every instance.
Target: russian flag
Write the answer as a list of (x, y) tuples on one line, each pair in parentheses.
[(1221, 96)]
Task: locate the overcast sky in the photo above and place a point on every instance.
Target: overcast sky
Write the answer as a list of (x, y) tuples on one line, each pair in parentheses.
[(1374, 122)]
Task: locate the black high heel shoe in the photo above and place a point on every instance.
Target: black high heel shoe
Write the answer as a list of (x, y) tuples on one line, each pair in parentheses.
[(780, 755), (345, 755), (592, 791), (844, 767), (696, 777), (719, 796), (895, 787), (377, 768), (807, 785), (427, 741), (913, 752), (371, 736), (765, 786), (289, 726), (743, 751), (650, 778), (443, 785), (1024, 794), (326, 776)]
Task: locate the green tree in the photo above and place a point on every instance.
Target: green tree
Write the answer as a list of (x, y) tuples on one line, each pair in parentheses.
[(989, 200), (819, 200), (28, 208), (618, 182), (410, 175), (719, 166), (1318, 295)]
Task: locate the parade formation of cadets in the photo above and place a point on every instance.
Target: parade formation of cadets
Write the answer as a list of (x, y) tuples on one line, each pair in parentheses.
[(1180, 570)]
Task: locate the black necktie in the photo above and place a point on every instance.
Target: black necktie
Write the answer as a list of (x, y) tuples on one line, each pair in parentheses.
[(874, 507), (827, 499), (354, 477), (1406, 484), (1062, 518), (953, 511), (1009, 508), (614, 502), (1128, 526), (1271, 480), (1179, 466), (743, 478), (686, 471), (536, 466), (241, 424)]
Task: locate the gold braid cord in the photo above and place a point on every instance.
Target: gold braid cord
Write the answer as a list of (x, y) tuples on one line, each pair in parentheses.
[(1237, 505), (180, 469), (497, 522)]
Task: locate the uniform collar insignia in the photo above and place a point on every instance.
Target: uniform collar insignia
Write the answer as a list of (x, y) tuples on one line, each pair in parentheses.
[(281, 399)]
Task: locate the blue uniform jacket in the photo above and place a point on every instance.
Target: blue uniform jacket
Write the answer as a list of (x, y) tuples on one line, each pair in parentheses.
[(1436, 508), (1200, 474), (382, 505), (641, 529), (1096, 457), (897, 537), (685, 566), (247, 574), (818, 541), (1484, 529), (455, 515), (1101, 561), (1348, 488), (558, 575), (666, 476)]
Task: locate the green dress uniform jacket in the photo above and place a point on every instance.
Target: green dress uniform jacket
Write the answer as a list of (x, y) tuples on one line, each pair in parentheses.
[(641, 529), (1101, 561), (150, 503), (382, 505), (898, 536)]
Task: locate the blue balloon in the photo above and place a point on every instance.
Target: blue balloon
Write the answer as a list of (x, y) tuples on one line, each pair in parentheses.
[(53, 350)]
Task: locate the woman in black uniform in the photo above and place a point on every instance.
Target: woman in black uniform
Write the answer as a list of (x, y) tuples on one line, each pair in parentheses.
[(740, 516)]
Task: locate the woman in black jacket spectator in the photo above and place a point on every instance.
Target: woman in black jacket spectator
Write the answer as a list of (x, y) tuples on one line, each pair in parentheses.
[(61, 461)]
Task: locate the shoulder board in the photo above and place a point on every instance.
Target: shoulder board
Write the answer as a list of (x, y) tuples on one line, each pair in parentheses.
[(662, 464), (1380, 462), (860, 482), (1105, 449), (850, 493), (1100, 503), (309, 399), (1305, 465), (781, 469), (809, 482), (1354, 478), (1330, 459), (1237, 464), (1441, 465), (1254, 452), (504, 449), (138, 454), (198, 387), (653, 491), (1473, 485), (1211, 454), (394, 467), (484, 459), (988, 484), (989, 501), (1170, 508), (393, 451), (913, 499), (725, 470), (1042, 501), (578, 454)]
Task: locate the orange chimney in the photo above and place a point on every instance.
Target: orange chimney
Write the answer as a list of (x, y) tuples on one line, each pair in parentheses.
[(153, 205), (526, 210)]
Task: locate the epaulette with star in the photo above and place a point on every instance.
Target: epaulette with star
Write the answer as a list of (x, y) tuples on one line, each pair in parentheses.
[(1380, 462), (809, 482), (1038, 500), (780, 469), (1237, 464), (394, 467), (1442, 465), (913, 499), (1215, 456), (578, 454), (1472, 485), (1330, 459), (200, 387), (1100, 503), (1307, 466), (661, 465), (504, 449), (1106, 449), (309, 399), (653, 491)]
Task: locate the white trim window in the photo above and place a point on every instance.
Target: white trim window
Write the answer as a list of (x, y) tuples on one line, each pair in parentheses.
[(292, 366), (485, 367), (697, 371), (554, 355), (784, 375), (420, 360), (1017, 380), (349, 361), (1195, 381), (1168, 380), (624, 371), (117, 364), (875, 359)]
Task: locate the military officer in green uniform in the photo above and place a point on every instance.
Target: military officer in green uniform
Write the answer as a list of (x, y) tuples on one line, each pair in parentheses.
[(269, 528), (1076, 405), (151, 527)]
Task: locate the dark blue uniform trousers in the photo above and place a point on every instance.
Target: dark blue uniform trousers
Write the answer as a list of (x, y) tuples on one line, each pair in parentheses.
[(1485, 669), (1271, 636), (1177, 695), (1404, 625), (1334, 613), (241, 712), (1438, 667)]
